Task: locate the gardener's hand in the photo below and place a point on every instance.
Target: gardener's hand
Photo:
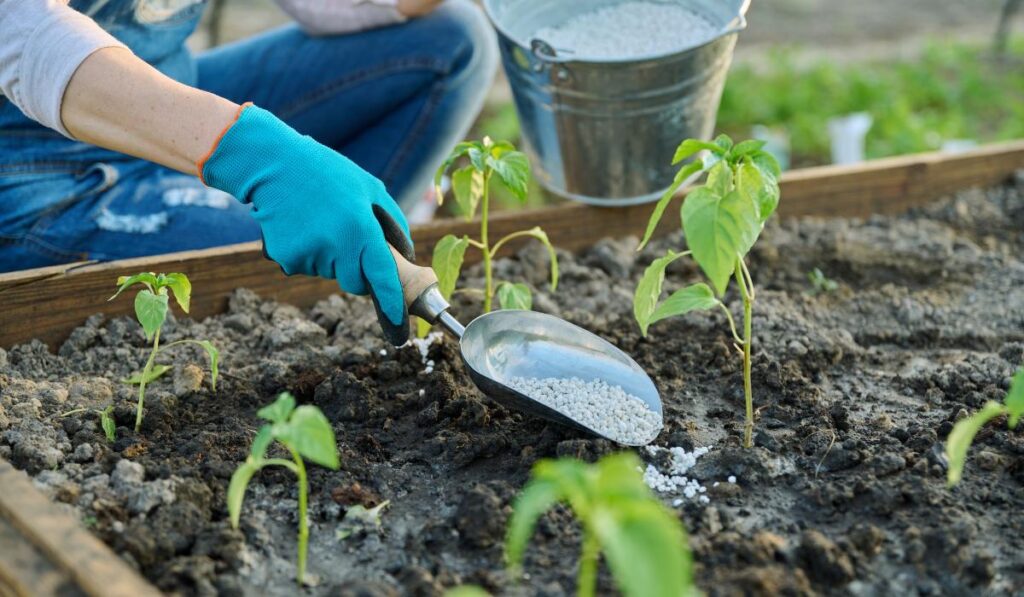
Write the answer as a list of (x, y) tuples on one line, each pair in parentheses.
[(320, 213), (417, 8)]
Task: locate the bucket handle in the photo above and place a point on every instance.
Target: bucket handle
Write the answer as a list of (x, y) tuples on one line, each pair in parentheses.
[(738, 24), (545, 52), (549, 58)]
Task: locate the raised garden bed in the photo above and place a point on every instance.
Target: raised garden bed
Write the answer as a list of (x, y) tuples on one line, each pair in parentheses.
[(844, 491)]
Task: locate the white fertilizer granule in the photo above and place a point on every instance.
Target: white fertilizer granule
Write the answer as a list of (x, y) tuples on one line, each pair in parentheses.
[(605, 408), (423, 345), (675, 479), (629, 30)]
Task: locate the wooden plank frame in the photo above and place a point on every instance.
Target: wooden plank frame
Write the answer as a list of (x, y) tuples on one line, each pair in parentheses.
[(48, 303), (47, 552)]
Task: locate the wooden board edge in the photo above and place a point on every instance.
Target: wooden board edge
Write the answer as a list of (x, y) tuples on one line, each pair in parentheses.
[(94, 568)]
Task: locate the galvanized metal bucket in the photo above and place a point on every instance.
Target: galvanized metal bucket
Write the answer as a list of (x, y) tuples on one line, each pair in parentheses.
[(604, 132)]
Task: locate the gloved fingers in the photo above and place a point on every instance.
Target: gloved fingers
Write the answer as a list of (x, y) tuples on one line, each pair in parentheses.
[(394, 232), (350, 279), (381, 273), (388, 205)]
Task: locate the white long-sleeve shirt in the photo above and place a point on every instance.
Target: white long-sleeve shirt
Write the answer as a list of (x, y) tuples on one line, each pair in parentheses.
[(42, 43)]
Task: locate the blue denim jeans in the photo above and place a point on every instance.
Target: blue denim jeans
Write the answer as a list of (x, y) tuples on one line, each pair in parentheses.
[(394, 100)]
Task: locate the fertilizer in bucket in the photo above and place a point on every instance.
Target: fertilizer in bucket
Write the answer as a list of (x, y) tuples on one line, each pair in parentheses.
[(629, 30), (605, 90)]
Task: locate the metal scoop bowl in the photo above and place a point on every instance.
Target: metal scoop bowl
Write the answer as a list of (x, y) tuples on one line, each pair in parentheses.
[(499, 346)]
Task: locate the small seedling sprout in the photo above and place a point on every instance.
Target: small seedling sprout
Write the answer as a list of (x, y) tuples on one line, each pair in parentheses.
[(106, 416), (960, 438), (306, 434), (644, 544), (151, 306), (722, 220), (820, 283), (471, 187)]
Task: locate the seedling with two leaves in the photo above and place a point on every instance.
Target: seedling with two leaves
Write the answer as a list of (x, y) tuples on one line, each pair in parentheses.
[(151, 306), (471, 183), (722, 220), (306, 434), (643, 543), (962, 435), (106, 416)]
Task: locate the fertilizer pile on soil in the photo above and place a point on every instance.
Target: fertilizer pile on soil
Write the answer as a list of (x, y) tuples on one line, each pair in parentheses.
[(605, 408), (844, 492), (629, 30)]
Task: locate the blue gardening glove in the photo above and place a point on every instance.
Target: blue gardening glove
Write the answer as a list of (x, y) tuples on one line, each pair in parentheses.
[(320, 213)]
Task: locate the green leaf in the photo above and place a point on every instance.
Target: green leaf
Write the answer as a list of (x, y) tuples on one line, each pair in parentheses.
[(1015, 399), (422, 328), (761, 188), (151, 309), (745, 147), (766, 163), (279, 410), (534, 500), (645, 548), (478, 157), (155, 373), (962, 435), (214, 355), (466, 591), (684, 173), (690, 147), (618, 477), (181, 287), (458, 151), (447, 262), (108, 424), (261, 442), (236, 488), (468, 187), (719, 231), (513, 168), (310, 434), (697, 297), (515, 296), (123, 282), (720, 179), (648, 290), (724, 142)]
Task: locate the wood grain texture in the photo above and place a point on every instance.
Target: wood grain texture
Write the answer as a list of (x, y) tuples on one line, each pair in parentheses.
[(48, 303), (65, 558)]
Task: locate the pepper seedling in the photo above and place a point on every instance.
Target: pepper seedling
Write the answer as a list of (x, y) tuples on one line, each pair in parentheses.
[(644, 544), (820, 283), (106, 416), (962, 435), (151, 306), (471, 187), (722, 220), (306, 434)]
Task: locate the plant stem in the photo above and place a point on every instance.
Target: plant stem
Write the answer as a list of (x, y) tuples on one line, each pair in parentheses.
[(142, 380), (586, 580), (300, 473), (748, 394), (732, 323), (498, 245), (488, 281)]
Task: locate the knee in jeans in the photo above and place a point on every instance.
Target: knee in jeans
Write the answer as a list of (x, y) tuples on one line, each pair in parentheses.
[(466, 29)]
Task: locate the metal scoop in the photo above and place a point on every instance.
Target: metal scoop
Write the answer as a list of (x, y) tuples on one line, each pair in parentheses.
[(499, 346)]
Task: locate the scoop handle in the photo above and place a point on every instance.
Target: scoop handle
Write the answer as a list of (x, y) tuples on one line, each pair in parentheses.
[(415, 279), (423, 297)]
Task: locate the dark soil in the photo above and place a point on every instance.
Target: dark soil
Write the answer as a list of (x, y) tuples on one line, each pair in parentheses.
[(844, 493)]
